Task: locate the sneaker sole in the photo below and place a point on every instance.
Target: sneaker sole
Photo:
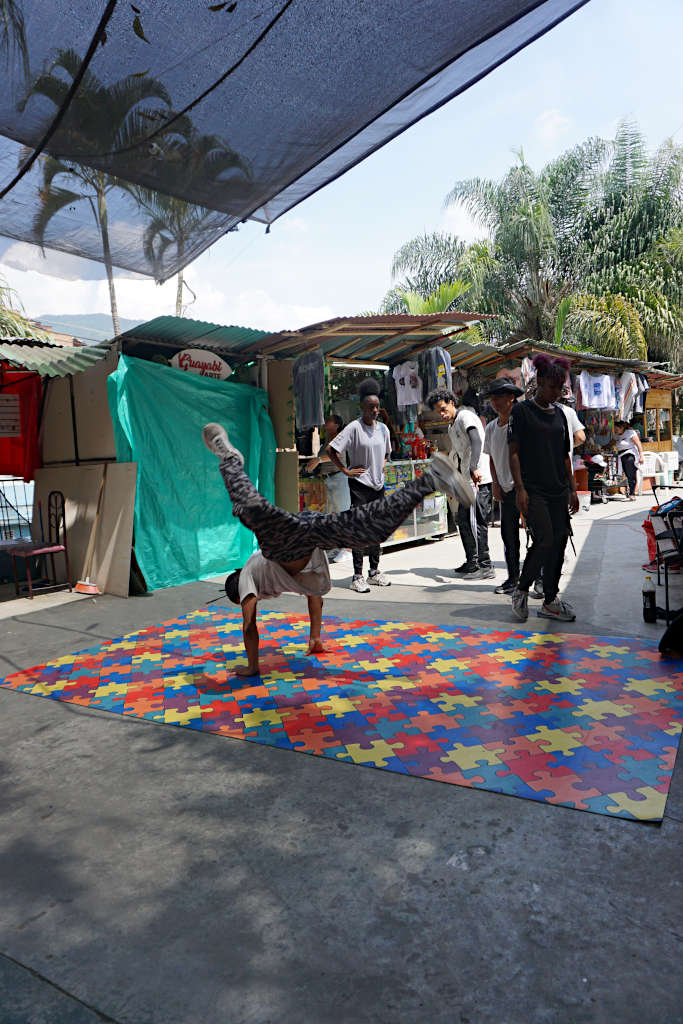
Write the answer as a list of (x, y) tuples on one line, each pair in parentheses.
[(459, 485), (555, 618), (213, 429)]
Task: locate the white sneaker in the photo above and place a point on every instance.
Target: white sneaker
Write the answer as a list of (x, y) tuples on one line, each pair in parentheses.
[(359, 584), (450, 480), (559, 610), (520, 605), (216, 439), (378, 579)]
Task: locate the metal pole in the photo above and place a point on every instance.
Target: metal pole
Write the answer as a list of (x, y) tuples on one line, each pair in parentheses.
[(73, 419)]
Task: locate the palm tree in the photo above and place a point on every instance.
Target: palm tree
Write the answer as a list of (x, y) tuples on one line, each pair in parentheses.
[(429, 262), (13, 33), (440, 301), (107, 117), (586, 237), (13, 324), (172, 222)]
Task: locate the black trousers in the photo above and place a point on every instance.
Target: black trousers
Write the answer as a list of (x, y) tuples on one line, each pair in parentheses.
[(509, 529), (628, 464), (476, 547), (361, 494), (548, 522)]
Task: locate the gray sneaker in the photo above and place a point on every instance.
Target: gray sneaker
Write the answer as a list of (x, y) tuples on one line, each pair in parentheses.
[(378, 579), (561, 611), (360, 585), (520, 605), (450, 480), (216, 439), (484, 572)]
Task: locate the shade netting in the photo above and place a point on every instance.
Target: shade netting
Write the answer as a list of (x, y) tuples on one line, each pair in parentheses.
[(241, 109)]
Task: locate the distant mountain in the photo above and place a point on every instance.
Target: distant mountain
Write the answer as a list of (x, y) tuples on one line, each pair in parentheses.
[(91, 327)]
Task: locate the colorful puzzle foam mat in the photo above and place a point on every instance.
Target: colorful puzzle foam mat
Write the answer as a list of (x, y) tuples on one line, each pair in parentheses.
[(588, 722)]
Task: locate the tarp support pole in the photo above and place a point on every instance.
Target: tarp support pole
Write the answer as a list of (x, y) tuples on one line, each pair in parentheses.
[(73, 419)]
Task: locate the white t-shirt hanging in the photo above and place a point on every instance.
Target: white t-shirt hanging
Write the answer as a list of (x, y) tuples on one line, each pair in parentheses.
[(597, 390), (408, 384)]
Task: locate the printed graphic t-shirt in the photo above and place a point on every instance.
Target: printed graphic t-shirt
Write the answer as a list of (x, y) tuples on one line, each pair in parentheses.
[(408, 384), (543, 439)]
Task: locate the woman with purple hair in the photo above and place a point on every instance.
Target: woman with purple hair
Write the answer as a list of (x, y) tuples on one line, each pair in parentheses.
[(538, 436)]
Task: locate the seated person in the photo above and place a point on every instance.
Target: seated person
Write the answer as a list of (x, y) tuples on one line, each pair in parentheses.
[(292, 547)]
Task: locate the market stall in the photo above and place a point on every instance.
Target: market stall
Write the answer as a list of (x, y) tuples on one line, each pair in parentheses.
[(408, 356), (603, 391)]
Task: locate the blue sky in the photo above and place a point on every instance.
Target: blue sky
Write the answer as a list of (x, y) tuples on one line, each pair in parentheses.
[(332, 254)]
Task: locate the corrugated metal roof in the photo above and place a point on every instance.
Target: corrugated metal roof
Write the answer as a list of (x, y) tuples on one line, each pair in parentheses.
[(49, 359), (489, 360), (381, 338), (180, 330)]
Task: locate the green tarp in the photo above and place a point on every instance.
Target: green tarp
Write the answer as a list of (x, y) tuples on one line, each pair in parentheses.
[(184, 527)]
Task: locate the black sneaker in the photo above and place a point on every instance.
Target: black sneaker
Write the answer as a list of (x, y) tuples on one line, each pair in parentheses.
[(465, 568), (507, 587), (484, 572)]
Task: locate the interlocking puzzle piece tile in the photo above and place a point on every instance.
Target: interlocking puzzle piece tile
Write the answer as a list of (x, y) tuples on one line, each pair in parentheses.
[(647, 806), (377, 753)]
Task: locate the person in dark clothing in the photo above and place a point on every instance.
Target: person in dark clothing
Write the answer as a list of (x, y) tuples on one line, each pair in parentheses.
[(502, 393), (538, 436)]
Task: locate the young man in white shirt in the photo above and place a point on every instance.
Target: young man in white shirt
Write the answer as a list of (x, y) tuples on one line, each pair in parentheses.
[(502, 393), (292, 548), (466, 434)]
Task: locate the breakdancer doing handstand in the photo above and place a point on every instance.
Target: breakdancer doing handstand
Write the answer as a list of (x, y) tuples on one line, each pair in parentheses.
[(292, 547)]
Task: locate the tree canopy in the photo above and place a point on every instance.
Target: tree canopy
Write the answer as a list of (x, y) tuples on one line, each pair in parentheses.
[(587, 251)]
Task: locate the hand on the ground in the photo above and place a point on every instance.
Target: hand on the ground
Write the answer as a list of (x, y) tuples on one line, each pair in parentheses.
[(356, 471), (522, 501), (315, 646), (246, 670), (573, 502)]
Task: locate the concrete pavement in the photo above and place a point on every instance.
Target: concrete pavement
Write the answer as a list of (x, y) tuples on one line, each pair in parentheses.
[(161, 875)]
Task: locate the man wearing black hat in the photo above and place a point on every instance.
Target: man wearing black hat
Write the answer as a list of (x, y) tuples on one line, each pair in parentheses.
[(502, 394)]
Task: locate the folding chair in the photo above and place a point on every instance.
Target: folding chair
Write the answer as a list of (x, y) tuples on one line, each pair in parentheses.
[(668, 528), (56, 542)]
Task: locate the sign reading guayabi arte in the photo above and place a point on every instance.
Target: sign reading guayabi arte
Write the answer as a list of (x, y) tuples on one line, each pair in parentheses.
[(198, 360)]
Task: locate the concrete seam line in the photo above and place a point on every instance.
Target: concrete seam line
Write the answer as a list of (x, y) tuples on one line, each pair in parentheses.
[(53, 984)]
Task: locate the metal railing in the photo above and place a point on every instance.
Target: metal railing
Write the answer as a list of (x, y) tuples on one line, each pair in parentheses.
[(16, 508)]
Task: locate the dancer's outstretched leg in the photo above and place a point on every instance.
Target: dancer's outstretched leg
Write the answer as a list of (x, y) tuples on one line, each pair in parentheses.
[(284, 537)]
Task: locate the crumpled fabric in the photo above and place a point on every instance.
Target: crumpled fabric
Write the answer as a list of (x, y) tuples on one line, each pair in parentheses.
[(184, 527)]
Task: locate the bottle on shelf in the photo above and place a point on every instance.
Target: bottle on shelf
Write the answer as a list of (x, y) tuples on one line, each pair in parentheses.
[(649, 600)]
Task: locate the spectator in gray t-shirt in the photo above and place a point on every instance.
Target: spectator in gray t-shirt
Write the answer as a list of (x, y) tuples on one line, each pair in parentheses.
[(367, 445)]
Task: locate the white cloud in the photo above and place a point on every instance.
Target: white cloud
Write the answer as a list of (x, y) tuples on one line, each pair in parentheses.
[(457, 221), (258, 308), (551, 125)]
